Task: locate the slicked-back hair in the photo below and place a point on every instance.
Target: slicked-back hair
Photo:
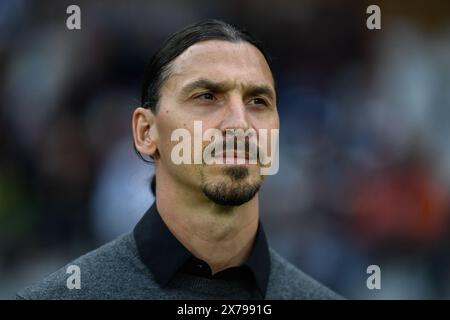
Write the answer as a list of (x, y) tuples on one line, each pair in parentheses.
[(158, 69)]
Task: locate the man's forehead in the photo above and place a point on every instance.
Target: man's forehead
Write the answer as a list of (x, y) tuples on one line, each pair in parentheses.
[(222, 61)]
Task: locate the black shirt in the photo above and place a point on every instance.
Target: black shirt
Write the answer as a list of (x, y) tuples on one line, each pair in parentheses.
[(164, 255)]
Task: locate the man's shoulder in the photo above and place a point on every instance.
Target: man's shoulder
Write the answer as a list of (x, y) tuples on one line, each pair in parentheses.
[(288, 282), (102, 273)]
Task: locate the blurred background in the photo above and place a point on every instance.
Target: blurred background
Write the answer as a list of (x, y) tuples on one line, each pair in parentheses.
[(364, 158)]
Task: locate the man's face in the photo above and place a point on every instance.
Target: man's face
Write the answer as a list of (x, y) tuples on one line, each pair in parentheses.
[(226, 86)]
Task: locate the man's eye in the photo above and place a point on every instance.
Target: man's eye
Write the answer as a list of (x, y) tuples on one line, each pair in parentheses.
[(205, 96), (259, 101)]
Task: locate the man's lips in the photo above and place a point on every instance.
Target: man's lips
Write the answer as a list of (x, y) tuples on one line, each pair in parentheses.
[(233, 154)]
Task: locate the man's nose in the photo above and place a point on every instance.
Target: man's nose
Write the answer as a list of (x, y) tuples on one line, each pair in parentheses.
[(235, 116)]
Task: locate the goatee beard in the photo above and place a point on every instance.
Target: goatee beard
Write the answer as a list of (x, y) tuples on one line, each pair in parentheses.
[(235, 193)]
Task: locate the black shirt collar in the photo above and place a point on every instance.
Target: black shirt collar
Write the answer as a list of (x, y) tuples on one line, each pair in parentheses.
[(164, 255)]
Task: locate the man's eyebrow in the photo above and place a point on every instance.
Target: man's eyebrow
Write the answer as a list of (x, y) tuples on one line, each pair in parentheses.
[(204, 84), (255, 90), (219, 87)]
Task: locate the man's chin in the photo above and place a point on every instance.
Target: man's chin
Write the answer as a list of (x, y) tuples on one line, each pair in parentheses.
[(231, 185), (231, 194)]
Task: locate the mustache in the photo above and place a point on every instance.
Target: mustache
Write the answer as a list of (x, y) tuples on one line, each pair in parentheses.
[(247, 147)]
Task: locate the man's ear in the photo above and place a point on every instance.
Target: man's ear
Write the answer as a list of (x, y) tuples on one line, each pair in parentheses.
[(145, 133)]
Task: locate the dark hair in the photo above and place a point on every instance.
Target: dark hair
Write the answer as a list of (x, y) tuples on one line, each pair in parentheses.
[(158, 69)]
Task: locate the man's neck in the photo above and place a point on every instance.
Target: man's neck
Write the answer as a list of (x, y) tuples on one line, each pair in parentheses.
[(222, 236)]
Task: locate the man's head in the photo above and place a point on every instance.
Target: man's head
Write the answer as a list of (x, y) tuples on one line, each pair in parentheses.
[(213, 73)]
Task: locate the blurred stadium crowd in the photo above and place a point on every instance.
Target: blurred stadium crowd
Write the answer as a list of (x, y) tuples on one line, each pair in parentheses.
[(364, 158)]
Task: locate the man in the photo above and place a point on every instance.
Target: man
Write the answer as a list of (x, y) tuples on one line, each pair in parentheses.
[(202, 239)]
